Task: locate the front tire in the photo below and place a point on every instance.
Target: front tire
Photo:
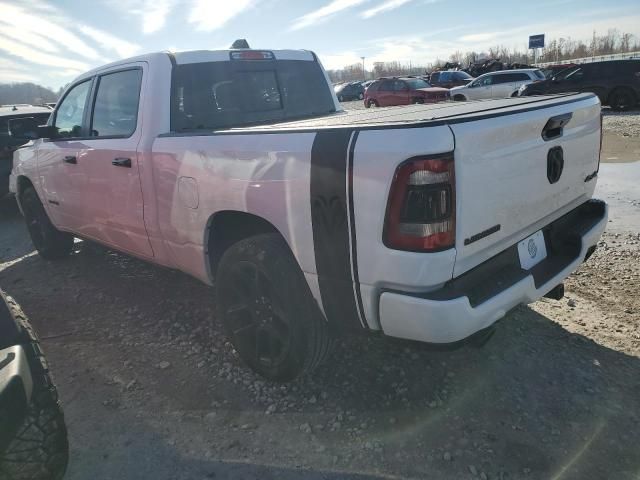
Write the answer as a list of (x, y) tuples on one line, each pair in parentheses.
[(372, 103), (459, 98), (340, 98), (267, 309), (51, 243), (39, 450)]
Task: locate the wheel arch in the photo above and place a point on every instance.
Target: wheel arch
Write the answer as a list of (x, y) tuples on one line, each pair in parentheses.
[(227, 227), (22, 183)]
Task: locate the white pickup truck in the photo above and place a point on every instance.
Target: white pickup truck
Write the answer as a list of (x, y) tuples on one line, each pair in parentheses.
[(239, 167)]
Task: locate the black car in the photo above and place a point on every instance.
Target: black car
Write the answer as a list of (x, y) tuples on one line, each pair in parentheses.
[(349, 91), (24, 114), (616, 82)]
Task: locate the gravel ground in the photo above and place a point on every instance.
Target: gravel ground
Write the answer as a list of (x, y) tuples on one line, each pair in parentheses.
[(626, 124), (152, 390)]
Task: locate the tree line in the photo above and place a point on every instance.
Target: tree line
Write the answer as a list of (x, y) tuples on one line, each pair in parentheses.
[(556, 50), (12, 93)]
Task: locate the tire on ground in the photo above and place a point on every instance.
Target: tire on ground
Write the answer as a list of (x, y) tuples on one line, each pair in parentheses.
[(622, 99), (40, 450), (51, 243), (282, 285)]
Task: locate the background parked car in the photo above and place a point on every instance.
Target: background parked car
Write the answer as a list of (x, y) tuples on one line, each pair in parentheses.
[(449, 79), (501, 84), (8, 143), (552, 70), (402, 91), (367, 83), (616, 82), (349, 91)]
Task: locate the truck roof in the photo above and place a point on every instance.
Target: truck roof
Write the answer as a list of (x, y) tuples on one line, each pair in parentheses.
[(22, 109), (200, 56)]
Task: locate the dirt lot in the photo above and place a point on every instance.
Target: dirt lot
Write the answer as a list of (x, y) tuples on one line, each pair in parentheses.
[(152, 390)]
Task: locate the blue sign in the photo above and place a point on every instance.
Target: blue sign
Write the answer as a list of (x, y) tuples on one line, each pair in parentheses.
[(536, 41)]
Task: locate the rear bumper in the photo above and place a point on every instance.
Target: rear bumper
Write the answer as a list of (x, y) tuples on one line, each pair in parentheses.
[(476, 299)]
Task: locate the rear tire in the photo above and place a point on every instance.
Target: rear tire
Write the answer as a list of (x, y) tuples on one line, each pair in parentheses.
[(622, 99), (40, 450), (340, 98), (418, 101), (360, 96), (51, 243), (267, 309)]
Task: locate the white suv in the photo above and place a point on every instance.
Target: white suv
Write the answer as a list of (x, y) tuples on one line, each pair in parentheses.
[(501, 84)]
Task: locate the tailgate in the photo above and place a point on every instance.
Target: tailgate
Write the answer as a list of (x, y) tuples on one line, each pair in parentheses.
[(501, 164)]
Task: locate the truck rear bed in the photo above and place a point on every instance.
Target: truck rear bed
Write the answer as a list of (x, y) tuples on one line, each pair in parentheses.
[(420, 115)]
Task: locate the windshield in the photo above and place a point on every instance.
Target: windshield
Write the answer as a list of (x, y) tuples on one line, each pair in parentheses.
[(215, 95), (566, 73), (539, 74), (415, 83)]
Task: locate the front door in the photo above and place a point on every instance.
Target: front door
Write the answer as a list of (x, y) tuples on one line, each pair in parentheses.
[(114, 209), (61, 178), (480, 88)]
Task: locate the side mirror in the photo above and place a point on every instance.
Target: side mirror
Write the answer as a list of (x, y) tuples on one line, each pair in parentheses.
[(47, 131)]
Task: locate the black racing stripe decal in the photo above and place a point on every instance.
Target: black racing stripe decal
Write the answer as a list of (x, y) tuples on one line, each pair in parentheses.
[(330, 226), (352, 232)]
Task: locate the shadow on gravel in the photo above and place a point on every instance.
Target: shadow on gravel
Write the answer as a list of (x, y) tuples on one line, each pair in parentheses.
[(535, 402), (14, 241)]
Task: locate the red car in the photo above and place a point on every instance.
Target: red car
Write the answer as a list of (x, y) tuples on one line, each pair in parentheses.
[(386, 92)]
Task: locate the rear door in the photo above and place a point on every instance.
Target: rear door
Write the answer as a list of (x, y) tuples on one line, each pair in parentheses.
[(503, 190), (502, 85), (112, 194), (61, 179)]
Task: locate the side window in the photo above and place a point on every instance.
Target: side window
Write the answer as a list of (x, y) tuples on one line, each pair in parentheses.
[(115, 112), (520, 77), (486, 81), (501, 78), (386, 86), (399, 86), (70, 111), (445, 76)]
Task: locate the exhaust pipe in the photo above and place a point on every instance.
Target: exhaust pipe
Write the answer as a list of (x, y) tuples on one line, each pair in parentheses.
[(556, 293)]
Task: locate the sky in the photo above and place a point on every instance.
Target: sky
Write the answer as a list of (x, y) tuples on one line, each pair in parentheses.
[(52, 42)]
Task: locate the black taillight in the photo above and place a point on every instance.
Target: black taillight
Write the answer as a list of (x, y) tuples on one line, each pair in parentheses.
[(421, 207)]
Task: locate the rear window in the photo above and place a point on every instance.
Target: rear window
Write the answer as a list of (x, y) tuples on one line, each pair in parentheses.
[(539, 74), (215, 95)]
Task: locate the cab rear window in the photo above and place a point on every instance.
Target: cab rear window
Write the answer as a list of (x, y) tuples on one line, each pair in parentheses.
[(216, 95)]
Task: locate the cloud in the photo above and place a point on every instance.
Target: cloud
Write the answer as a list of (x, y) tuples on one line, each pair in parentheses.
[(35, 56), (207, 15), (109, 42), (28, 22), (154, 14), (383, 7), (324, 13), (339, 60)]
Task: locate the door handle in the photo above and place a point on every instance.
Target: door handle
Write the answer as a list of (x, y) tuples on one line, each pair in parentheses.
[(121, 162), (70, 159), (555, 125)]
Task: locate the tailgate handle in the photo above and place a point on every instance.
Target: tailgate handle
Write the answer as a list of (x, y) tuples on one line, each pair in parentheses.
[(553, 127)]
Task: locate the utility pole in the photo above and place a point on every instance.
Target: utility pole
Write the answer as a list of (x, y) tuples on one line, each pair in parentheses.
[(364, 72)]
